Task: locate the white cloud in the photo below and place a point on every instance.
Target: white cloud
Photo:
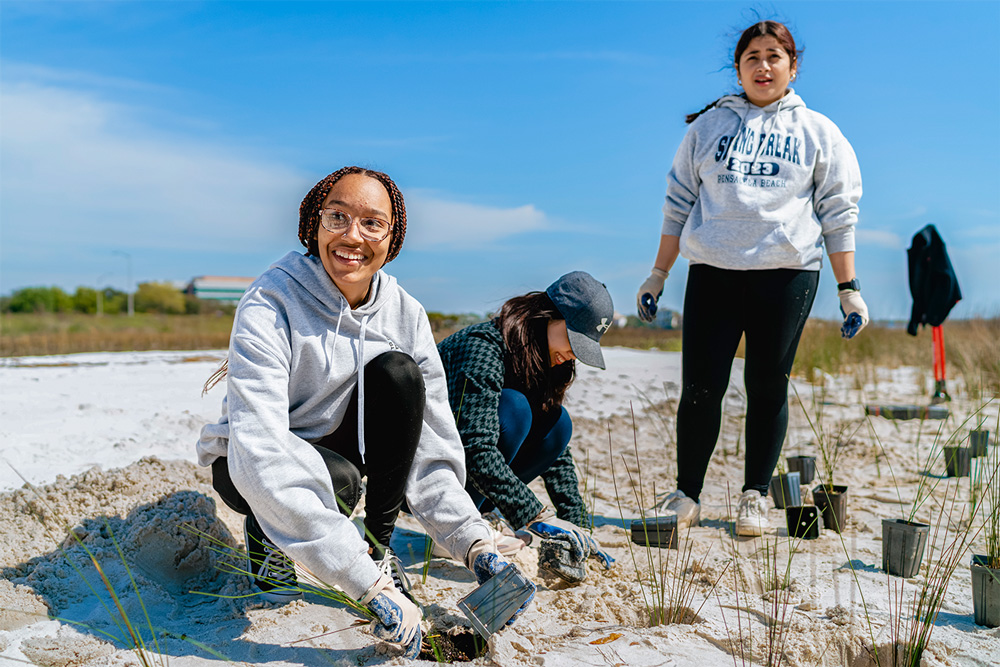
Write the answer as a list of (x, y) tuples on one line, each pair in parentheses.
[(434, 222), (879, 237), (94, 171)]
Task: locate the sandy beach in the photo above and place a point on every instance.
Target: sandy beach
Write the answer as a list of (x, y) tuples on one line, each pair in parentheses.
[(107, 440)]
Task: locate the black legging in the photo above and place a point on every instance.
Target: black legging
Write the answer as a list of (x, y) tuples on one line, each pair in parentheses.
[(770, 307), (394, 411)]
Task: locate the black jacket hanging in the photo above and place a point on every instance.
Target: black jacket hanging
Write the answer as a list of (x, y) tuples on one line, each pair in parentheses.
[(933, 283)]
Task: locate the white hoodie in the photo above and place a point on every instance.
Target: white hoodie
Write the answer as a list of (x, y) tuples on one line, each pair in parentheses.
[(295, 356), (762, 188)]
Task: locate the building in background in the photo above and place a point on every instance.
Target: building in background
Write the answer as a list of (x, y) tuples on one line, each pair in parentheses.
[(229, 289)]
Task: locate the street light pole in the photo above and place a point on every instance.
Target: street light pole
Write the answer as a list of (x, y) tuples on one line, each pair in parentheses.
[(100, 294), (128, 285)]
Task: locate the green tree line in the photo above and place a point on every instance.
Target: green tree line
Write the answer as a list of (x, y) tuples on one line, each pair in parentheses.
[(151, 297)]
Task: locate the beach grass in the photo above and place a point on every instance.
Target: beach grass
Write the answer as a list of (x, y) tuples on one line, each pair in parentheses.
[(972, 345), (32, 334)]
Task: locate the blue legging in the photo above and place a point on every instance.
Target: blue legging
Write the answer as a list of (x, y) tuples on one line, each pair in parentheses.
[(530, 440)]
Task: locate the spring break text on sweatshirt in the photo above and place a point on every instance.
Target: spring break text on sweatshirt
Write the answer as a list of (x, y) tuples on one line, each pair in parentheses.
[(756, 171)]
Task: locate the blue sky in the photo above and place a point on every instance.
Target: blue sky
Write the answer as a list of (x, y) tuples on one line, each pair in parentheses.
[(529, 139)]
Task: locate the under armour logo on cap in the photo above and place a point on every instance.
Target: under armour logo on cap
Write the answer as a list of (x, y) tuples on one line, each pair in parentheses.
[(586, 306)]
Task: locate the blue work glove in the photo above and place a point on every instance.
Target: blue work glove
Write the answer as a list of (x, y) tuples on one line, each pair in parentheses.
[(855, 312), (397, 620), (486, 563), (649, 294), (582, 544)]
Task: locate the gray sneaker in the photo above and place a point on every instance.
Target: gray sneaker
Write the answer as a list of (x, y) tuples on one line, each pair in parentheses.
[(687, 511), (751, 515)]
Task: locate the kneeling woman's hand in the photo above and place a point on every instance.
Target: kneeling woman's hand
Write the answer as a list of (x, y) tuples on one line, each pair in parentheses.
[(485, 561), (581, 542), (397, 619)]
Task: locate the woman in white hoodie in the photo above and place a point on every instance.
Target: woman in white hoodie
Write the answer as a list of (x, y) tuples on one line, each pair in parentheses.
[(759, 185), (333, 375)]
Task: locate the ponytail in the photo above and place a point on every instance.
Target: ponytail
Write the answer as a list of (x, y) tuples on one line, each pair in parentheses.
[(691, 117)]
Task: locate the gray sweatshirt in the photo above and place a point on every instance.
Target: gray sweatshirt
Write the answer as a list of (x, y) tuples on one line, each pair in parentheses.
[(762, 188), (295, 356)]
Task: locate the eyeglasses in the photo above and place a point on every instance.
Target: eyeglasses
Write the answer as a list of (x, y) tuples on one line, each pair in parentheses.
[(338, 222)]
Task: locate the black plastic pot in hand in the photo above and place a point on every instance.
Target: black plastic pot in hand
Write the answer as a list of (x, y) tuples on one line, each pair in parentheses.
[(979, 442), (804, 521), (804, 465), (903, 545), (957, 462), (832, 501), (985, 592), (786, 490)]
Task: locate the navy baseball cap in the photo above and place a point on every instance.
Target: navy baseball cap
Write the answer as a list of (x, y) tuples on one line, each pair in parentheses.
[(586, 306)]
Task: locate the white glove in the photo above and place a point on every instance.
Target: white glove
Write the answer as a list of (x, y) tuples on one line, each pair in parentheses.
[(397, 619), (851, 303), (649, 294), (481, 547)]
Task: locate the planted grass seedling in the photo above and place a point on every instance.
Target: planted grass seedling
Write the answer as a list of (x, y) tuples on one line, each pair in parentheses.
[(669, 590), (986, 567), (773, 566)]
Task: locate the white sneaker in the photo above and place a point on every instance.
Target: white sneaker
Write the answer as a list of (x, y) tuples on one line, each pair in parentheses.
[(751, 516), (687, 511)]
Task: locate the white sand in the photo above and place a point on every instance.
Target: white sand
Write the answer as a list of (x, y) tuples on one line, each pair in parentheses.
[(84, 428)]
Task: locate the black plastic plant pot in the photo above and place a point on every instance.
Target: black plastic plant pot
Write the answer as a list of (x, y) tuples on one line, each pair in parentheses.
[(832, 502), (979, 442), (985, 592), (804, 465), (804, 522), (903, 545), (786, 490), (957, 462), (490, 606), (660, 532)]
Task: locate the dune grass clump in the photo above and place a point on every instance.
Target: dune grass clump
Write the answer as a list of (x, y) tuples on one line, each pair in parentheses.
[(668, 591)]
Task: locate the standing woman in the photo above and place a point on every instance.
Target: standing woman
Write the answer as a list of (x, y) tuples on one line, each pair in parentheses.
[(759, 186), (506, 383), (333, 375)]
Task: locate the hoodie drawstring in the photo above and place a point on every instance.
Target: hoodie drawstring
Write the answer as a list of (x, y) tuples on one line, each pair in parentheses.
[(361, 387), (361, 372)]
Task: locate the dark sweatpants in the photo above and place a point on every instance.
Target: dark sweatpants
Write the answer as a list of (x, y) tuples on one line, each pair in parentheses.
[(770, 307), (394, 412)]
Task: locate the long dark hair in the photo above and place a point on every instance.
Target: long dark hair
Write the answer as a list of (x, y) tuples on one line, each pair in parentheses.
[(524, 325), (760, 29)]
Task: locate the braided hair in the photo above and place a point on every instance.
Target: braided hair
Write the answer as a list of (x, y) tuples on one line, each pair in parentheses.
[(313, 202), (309, 226)]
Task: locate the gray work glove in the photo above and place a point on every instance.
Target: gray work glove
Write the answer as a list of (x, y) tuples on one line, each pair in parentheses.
[(649, 294), (397, 619)]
